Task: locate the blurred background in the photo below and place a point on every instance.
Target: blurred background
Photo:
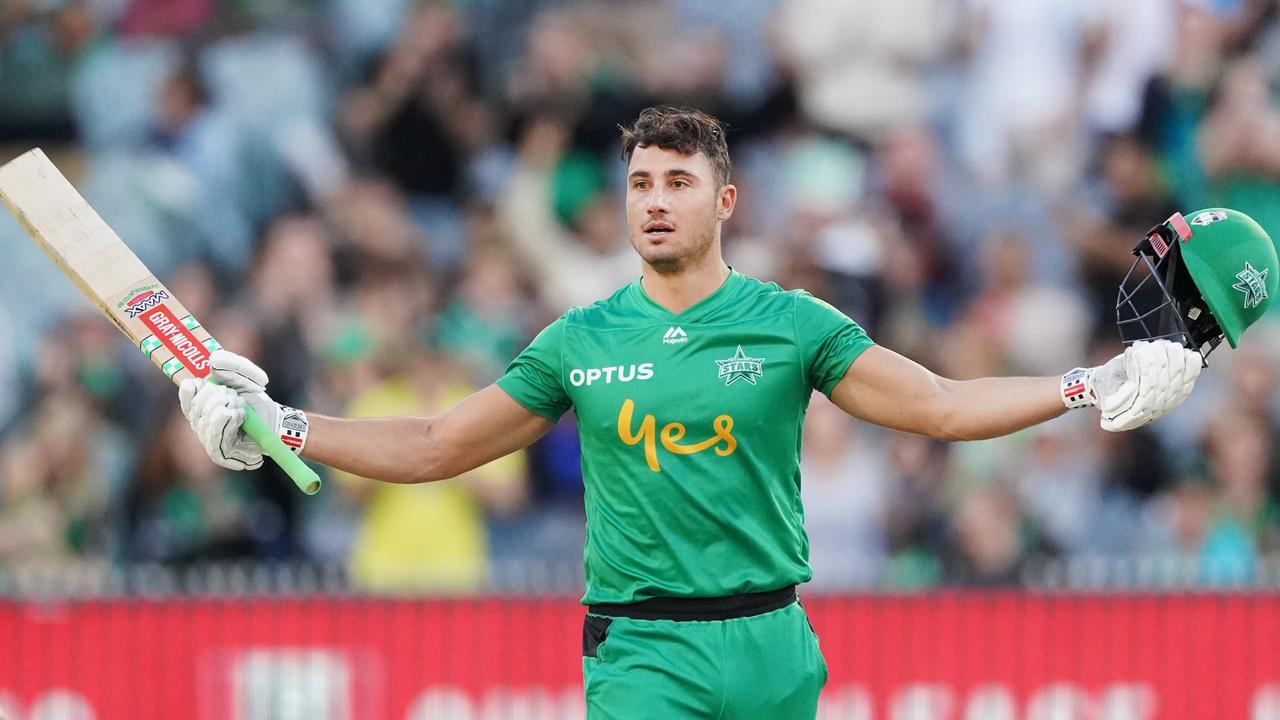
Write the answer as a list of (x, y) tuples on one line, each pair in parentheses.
[(382, 201)]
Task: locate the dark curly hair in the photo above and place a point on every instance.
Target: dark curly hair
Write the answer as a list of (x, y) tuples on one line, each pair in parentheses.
[(683, 129)]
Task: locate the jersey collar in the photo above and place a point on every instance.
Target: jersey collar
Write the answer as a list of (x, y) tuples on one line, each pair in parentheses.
[(694, 311)]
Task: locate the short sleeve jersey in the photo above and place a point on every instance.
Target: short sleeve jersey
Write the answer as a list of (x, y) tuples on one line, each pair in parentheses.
[(690, 429)]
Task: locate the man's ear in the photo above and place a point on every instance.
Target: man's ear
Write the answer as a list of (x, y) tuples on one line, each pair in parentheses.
[(725, 202)]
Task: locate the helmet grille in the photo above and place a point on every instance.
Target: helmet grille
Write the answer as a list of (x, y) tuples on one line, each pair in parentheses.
[(1158, 300)]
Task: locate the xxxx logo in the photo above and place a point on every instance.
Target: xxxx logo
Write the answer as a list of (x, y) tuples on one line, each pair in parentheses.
[(672, 433), (143, 300)]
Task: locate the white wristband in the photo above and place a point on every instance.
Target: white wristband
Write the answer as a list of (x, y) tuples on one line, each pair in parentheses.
[(1076, 389), (292, 428)]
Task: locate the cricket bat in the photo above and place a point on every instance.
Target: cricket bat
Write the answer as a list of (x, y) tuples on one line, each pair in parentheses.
[(108, 273)]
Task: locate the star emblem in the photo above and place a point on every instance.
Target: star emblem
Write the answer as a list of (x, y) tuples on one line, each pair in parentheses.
[(1253, 284), (741, 367)]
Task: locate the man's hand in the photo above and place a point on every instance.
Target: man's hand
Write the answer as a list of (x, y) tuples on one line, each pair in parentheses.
[(215, 408), (1137, 386)]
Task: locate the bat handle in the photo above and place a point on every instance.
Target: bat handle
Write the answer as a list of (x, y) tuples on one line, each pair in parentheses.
[(303, 476)]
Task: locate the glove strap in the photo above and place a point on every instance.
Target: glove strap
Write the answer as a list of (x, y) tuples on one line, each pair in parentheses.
[(1077, 389), (293, 428)]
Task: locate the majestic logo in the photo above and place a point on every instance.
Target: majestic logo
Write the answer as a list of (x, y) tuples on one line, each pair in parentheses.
[(622, 373), (1208, 216), (143, 301), (1253, 284), (741, 367), (674, 336), (672, 433)]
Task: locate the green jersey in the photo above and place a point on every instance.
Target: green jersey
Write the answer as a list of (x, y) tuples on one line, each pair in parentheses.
[(690, 429)]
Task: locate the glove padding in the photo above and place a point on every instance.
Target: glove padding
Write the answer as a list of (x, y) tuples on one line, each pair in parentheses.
[(1144, 383), (215, 408)]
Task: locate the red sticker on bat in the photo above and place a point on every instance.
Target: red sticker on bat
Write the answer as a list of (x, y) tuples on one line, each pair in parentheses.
[(180, 341)]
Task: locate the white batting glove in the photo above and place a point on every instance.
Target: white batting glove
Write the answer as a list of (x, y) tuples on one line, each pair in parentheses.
[(215, 408), (1138, 386)]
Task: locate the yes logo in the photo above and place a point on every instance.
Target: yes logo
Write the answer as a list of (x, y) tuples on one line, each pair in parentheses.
[(672, 433)]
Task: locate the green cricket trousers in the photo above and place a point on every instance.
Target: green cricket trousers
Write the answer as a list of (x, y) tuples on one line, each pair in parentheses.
[(744, 657)]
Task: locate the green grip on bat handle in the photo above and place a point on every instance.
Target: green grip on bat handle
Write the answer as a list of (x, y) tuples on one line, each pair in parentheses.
[(304, 477)]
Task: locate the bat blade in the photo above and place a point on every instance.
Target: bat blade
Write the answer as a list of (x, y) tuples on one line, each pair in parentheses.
[(104, 269), (107, 272)]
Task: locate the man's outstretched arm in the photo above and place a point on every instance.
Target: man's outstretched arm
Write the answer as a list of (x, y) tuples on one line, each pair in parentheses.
[(888, 389), (1133, 389), (482, 427)]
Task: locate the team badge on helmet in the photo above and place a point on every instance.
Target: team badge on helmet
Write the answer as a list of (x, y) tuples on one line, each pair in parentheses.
[(1208, 216), (1198, 285), (1253, 284)]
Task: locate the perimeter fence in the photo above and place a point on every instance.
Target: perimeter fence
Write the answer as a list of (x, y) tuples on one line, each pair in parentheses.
[(1128, 639)]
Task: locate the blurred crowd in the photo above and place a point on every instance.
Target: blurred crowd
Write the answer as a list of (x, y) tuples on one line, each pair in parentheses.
[(382, 201)]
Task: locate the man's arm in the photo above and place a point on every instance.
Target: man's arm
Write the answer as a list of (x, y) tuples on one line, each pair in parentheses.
[(1132, 389), (888, 389), (482, 427), (486, 425)]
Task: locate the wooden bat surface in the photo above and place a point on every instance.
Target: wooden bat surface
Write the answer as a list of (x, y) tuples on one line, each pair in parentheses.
[(107, 272)]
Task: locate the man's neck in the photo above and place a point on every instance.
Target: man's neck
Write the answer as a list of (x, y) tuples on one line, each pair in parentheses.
[(680, 291)]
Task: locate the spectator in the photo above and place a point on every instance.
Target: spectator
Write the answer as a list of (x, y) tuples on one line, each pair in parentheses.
[(570, 267), (915, 517), (57, 491), (203, 147), (845, 497), (1016, 122), (1133, 199), (1127, 46), (1239, 145), (182, 510), (38, 52), (419, 117), (866, 87), (1175, 101), (990, 547), (431, 536), (486, 323)]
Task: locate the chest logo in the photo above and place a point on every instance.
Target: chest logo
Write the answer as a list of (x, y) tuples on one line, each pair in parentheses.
[(674, 336), (622, 373), (741, 367), (672, 433)]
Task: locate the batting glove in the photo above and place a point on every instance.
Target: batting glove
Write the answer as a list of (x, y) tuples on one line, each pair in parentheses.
[(1136, 387), (215, 408)]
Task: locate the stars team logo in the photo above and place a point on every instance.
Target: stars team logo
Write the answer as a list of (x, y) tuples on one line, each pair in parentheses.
[(1253, 284), (741, 367)]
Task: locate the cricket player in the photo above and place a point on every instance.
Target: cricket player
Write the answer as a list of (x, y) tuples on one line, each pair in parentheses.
[(690, 386)]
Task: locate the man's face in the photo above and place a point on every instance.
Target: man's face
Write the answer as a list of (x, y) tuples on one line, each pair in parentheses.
[(674, 207)]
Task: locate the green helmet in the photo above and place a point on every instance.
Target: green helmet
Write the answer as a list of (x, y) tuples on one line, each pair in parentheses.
[(1199, 279)]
